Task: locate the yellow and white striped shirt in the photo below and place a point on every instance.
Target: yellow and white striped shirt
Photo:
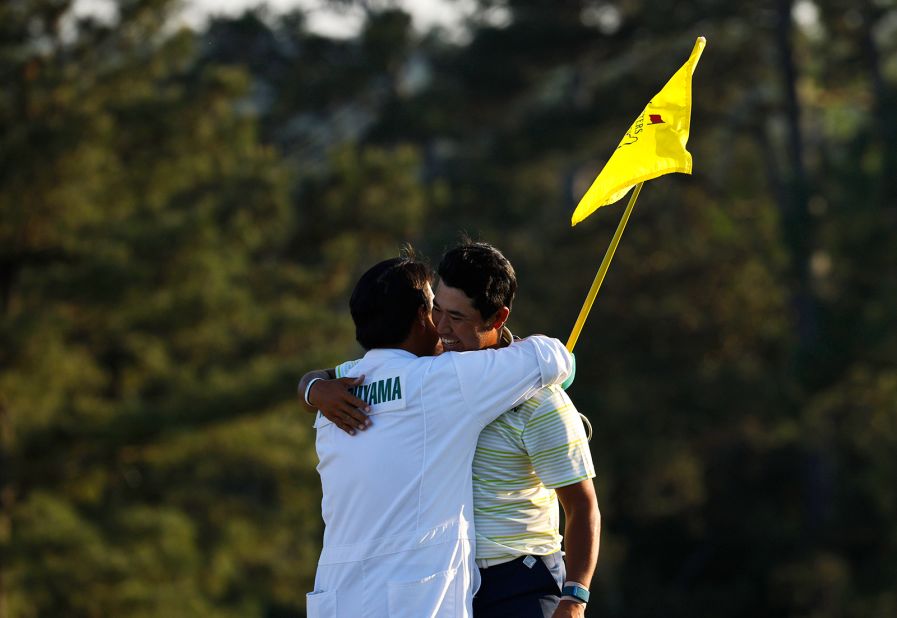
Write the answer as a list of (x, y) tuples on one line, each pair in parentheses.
[(521, 457)]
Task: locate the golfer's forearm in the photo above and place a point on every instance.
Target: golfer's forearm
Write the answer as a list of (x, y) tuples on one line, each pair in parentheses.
[(582, 535), (324, 374), (582, 532)]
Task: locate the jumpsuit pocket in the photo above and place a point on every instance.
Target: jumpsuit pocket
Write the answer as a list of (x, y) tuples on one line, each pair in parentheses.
[(320, 604), (436, 595)]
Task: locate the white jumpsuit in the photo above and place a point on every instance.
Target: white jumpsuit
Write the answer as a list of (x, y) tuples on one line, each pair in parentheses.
[(397, 498)]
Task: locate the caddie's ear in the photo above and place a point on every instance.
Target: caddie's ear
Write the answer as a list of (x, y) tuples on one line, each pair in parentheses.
[(499, 318)]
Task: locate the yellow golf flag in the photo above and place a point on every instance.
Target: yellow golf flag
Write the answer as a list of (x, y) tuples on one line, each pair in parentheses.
[(653, 146)]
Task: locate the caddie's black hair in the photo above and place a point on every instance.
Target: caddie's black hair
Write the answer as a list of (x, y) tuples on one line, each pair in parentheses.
[(386, 299)]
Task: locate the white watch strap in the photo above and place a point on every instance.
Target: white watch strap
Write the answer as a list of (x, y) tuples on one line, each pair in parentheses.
[(308, 388)]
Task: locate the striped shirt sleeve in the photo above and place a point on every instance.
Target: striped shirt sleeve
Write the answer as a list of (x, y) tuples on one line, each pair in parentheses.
[(556, 442), (343, 368)]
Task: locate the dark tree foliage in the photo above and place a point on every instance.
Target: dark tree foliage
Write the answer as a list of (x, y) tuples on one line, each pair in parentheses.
[(183, 214)]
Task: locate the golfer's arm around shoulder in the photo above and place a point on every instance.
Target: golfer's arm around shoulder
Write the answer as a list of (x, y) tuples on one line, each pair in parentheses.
[(308, 382), (320, 389)]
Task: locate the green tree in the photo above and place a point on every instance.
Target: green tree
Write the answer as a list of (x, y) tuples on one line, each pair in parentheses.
[(153, 328), (183, 214)]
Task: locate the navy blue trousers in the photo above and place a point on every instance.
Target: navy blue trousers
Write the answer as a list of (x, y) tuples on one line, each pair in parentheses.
[(514, 590)]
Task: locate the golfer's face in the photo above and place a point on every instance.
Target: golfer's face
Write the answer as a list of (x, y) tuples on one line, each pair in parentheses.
[(460, 326)]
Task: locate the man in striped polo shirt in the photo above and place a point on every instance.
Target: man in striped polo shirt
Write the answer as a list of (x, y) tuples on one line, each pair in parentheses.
[(527, 460)]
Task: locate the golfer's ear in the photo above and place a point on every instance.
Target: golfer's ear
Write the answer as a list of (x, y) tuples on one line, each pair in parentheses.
[(499, 318)]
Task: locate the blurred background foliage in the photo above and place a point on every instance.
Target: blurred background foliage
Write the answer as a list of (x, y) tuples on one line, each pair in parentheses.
[(183, 212)]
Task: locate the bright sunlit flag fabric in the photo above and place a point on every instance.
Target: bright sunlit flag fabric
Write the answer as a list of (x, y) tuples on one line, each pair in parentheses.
[(653, 146)]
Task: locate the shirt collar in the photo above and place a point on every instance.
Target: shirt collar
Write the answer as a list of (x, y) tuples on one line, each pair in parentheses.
[(506, 338), (385, 353)]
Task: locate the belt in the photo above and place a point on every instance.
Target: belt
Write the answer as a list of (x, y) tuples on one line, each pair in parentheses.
[(485, 563)]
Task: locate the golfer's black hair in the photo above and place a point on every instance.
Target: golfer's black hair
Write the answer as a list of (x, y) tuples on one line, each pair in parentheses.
[(386, 299), (482, 273)]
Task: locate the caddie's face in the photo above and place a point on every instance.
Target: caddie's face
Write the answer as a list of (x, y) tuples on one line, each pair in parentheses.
[(460, 326)]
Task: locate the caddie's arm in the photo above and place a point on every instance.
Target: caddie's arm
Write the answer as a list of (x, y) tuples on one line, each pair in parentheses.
[(322, 390), (513, 374), (582, 533)]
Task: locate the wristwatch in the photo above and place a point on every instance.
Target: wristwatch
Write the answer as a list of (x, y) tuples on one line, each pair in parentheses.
[(578, 592)]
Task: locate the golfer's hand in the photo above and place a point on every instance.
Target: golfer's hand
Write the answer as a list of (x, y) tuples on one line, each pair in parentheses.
[(570, 609), (337, 403)]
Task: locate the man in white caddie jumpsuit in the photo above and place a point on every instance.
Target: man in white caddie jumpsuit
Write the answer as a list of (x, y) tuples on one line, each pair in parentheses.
[(397, 499)]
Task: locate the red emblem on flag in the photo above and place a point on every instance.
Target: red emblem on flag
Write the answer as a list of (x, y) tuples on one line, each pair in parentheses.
[(655, 119)]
